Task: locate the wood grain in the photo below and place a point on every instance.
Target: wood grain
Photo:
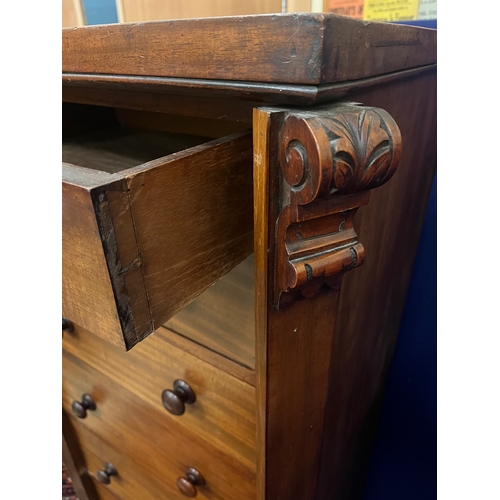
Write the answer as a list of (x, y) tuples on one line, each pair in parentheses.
[(298, 48), (145, 433), (203, 91), (133, 481), (294, 338), (220, 100), (320, 362), (176, 124), (299, 345), (159, 255), (148, 10), (265, 137), (178, 48), (357, 49), (193, 106), (224, 411), (373, 296), (206, 203), (87, 290), (222, 317), (235, 369), (104, 492), (318, 162)]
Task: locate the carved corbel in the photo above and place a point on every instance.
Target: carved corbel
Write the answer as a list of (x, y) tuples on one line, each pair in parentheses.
[(329, 160)]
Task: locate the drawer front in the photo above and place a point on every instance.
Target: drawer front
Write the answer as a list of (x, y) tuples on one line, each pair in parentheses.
[(133, 481), (145, 434), (141, 243), (224, 410), (104, 492)]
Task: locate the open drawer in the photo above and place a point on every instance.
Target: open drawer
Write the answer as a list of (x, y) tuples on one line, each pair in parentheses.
[(150, 220)]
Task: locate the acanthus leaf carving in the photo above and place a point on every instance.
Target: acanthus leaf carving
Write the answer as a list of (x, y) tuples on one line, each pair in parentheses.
[(329, 160)]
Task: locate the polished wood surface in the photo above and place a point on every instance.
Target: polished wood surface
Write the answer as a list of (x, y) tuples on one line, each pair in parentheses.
[(194, 106), (86, 286), (298, 48), (235, 369), (224, 411), (156, 257), (282, 405), (222, 317), (263, 134), (328, 159), (103, 492), (202, 228), (373, 296), (221, 100), (309, 178), (207, 94), (143, 432), (177, 124), (133, 480)]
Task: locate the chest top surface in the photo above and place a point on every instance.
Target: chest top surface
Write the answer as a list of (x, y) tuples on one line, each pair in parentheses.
[(291, 50)]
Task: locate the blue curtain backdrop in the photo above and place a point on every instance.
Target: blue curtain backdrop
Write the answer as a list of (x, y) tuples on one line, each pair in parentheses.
[(404, 464)]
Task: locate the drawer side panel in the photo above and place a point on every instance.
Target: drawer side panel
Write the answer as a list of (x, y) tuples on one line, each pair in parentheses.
[(193, 218)]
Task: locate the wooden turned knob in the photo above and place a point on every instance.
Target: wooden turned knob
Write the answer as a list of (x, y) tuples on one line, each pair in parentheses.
[(175, 400), (67, 325), (80, 408), (187, 485), (104, 476)]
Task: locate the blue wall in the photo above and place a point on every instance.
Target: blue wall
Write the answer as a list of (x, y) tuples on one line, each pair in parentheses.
[(100, 11)]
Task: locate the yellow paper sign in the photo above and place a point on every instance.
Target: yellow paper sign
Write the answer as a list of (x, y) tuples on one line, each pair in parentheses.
[(390, 10)]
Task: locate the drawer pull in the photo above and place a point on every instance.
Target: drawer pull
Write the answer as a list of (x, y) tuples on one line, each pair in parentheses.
[(67, 325), (104, 476), (80, 409), (187, 485), (174, 401)]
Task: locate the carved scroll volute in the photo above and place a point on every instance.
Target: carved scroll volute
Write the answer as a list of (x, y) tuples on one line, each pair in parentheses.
[(329, 159), (304, 143)]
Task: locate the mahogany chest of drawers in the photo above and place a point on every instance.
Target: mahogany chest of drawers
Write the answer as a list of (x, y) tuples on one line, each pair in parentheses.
[(229, 314)]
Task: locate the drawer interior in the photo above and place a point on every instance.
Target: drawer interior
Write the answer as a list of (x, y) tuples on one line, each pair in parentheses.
[(118, 148), (223, 318), (113, 140), (155, 210)]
